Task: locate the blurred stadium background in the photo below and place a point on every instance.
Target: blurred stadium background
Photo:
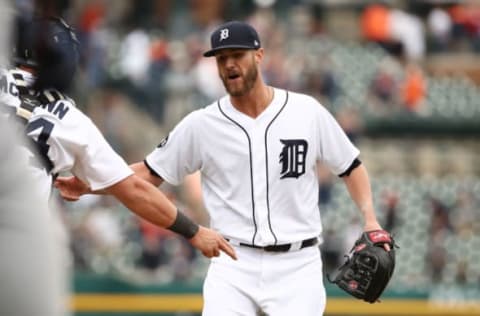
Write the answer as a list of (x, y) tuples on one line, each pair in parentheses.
[(402, 77)]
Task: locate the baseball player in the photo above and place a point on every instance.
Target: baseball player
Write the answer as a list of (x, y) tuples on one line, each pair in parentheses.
[(29, 245), (67, 140), (31, 277), (257, 150)]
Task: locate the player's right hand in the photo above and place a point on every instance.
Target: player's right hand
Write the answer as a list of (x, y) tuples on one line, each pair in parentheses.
[(210, 243), (71, 188)]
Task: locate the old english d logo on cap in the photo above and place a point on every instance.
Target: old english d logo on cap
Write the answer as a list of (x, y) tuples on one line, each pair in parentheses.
[(223, 34), (234, 34)]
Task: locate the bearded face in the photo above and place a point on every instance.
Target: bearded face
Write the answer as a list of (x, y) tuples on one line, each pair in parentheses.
[(238, 71)]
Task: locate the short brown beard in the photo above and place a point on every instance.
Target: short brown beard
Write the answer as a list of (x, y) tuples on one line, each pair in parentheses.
[(249, 79)]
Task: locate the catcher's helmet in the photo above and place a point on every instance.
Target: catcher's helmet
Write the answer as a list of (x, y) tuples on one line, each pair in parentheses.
[(50, 46)]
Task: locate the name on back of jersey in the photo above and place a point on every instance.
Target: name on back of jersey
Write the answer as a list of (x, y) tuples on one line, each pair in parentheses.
[(59, 108), (7, 87)]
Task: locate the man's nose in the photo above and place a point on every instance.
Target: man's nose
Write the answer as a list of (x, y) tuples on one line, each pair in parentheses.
[(229, 62)]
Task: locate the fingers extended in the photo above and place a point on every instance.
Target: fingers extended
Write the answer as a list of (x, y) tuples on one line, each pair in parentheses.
[(228, 249)]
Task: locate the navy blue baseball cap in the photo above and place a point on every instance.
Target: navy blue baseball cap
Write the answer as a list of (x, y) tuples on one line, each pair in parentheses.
[(234, 34)]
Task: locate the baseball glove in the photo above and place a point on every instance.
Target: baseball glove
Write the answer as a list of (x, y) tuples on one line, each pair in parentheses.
[(367, 270)]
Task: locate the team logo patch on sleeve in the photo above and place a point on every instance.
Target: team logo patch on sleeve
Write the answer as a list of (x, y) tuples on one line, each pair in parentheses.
[(293, 157), (163, 142)]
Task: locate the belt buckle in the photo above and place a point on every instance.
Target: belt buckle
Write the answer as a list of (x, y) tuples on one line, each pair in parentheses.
[(278, 248)]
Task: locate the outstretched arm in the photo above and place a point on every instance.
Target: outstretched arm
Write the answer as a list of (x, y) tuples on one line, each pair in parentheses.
[(151, 204), (145, 200), (72, 188)]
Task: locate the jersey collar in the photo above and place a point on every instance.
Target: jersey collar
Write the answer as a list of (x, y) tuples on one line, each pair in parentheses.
[(270, 111)]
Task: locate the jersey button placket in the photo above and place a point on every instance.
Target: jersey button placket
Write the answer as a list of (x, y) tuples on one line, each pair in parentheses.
[(264, 236)]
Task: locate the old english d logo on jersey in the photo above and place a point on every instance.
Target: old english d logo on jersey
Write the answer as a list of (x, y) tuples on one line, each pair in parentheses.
[(293, 157)]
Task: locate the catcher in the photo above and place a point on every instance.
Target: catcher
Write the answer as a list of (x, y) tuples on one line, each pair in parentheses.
[(366, 272)]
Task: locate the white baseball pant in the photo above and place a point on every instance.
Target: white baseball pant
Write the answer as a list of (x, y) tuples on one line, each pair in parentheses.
[(265, 283)]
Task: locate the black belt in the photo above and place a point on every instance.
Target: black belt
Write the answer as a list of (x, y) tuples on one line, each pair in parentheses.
[(285, 247)]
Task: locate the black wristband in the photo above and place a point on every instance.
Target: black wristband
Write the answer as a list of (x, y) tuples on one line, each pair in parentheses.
[(184, 226)]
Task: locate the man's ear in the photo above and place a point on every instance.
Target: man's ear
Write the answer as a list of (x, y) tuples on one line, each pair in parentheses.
[(259, 55)]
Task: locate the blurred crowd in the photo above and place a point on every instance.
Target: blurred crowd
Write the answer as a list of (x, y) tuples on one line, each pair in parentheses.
[(435, 222), (151, 51), (142, 70)]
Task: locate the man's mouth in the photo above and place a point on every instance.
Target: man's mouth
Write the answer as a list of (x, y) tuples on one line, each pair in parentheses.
[(233, 76)]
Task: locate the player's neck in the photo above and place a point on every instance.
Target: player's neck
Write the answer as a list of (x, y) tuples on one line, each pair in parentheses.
[(254, 102)]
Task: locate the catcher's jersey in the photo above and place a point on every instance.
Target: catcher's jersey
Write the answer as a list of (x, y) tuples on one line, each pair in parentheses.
[(66, 139), (259, 176)]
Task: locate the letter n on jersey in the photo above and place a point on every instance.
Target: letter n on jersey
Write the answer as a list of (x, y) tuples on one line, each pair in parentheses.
[(293, 157)]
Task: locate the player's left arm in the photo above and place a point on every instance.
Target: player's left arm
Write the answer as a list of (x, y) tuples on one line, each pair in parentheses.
[(358, 184)]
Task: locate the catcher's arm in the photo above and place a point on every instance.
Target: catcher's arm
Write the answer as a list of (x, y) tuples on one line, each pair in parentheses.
[(358, 185)]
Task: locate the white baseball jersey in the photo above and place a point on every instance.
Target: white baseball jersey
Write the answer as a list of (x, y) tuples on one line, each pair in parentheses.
[(259, 175), (66, 139)]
